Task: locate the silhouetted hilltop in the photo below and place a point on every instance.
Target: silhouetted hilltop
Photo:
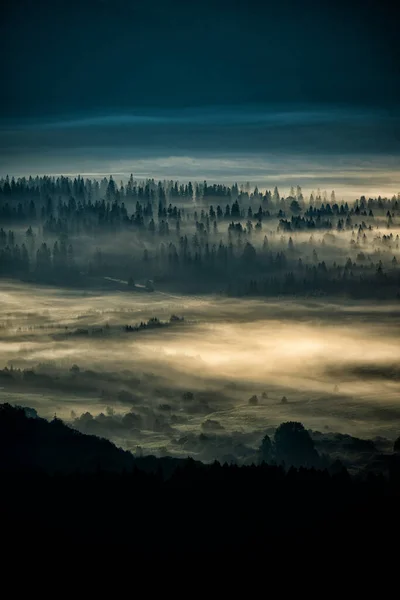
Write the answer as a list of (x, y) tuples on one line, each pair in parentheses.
[(27, 441), (79, 488), (30, 442)]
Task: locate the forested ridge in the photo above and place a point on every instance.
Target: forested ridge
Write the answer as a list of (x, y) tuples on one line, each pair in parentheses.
[(198, 237), (159, 505)]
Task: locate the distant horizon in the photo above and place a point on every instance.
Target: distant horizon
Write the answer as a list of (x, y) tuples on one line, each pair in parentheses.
[(343, 193)]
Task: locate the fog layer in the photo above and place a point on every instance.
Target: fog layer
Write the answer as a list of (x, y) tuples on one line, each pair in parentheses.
[(189, 384)]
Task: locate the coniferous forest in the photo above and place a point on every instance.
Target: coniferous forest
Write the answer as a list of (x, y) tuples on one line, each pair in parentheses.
[(198, 238)]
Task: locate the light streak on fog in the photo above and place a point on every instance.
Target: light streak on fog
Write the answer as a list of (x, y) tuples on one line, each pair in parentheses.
[(228, 349)]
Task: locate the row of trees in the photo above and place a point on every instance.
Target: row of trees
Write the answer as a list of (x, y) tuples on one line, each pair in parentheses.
[(149, 191)]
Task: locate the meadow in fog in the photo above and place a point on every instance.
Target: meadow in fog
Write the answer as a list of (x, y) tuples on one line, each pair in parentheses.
[(189, 387)]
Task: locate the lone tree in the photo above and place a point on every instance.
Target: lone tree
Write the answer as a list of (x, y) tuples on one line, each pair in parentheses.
[(294, 445), (266, 449)]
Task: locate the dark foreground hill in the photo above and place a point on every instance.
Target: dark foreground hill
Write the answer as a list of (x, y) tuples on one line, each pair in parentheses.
[(65, 488), (28, 442)]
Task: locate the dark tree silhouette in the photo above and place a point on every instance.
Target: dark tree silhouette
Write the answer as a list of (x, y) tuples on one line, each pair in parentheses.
[(266, 449), (294, 445)]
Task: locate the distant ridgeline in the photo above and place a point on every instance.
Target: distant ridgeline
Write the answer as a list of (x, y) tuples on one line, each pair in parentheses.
[(62, 486), (197, 238)]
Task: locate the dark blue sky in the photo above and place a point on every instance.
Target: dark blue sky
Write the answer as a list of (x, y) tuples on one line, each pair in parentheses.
[(179, 77), (64, 56)]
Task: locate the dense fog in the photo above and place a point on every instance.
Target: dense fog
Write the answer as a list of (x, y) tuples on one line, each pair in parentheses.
[(208, 386)]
